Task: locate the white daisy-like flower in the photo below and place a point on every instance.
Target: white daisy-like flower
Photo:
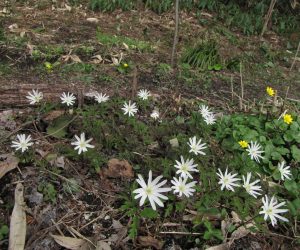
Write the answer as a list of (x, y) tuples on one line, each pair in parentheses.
[(254, 151), (181, 187), (284, 171), (185, 167), (23, 143), (129, 108), (34, 97), (271, 209), (82, 144), (251, 188), (152, 190), (210, 119), (154, 114), (67, 98), (227, 180), (196, 147), (205, 111), (144, 94), (101, 97)]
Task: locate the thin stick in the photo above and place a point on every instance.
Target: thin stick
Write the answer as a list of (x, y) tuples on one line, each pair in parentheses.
[(242, 88), (231, 84), (295, 56), (268, 16), (175, 41), (180, 233)]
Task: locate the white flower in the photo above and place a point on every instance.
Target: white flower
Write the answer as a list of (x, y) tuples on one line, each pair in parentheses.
[(144, 94), (129, 108), (82, 144), (227, 180), (254, 151), (204, 110), (155, 114), (284, 171), (23, 143), (251, 188), (101, 97), (35, 96), (210, 119), (272, 210), (152, 190), (68, 98), (185, 167), (196, 147), (181, 187)]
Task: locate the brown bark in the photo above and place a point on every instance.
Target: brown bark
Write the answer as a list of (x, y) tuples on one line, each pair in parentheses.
[(13, 93)]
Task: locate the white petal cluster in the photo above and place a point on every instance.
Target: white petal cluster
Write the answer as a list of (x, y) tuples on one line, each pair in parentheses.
[(228, 180), (182, 188), (251, 188), (129, 108), (152, 190), (254, 151), (196, 147), (34, 96), (271, 209), (186, 167), (207, 115), (144, 94), (23, 143), (81, 144), (101, 97), (68, 98), (154, 114), (284, 171)]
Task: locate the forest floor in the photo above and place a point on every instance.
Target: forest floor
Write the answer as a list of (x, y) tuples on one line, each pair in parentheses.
[(63, 48)]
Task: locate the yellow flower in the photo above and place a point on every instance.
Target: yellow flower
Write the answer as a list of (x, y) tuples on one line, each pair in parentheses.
[(125, 65), (288, 119), (48, 66), (270, 91), (243, 144)]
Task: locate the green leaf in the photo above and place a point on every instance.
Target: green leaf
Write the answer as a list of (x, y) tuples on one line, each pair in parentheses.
[(292, 187), (149, 213), (58, 128), (295, 153)]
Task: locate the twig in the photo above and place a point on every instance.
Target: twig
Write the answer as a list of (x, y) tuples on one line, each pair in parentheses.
[(175, 41), (268, 16), (66, 179), (231, 84), (99, 217), (242, 88), (180, 233), (295, 56)]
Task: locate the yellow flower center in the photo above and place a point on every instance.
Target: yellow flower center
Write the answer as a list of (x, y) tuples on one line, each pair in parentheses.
[(269, 211), (184, 168), (270, 91), (288, 119), (149, 190), (226, 180), (181, 188), (125, 65), (243, 144), (82, 144)]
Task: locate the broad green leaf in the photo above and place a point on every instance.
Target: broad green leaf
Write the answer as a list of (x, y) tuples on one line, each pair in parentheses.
[(295, 153), (149, 213), (58, 128)]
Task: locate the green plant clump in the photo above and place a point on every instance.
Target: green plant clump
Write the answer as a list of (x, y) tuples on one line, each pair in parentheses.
[(203, 55)]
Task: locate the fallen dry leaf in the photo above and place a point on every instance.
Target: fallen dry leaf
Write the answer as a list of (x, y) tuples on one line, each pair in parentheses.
[(70, 243), (149, 241), (223, 246), (8, 163), (118, 168), (53, 115), (102, 245), (17, 230), (92, 20)]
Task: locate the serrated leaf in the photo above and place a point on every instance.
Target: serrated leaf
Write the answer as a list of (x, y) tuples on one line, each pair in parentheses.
[(295, 153), (149, 213), (58, 128)]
